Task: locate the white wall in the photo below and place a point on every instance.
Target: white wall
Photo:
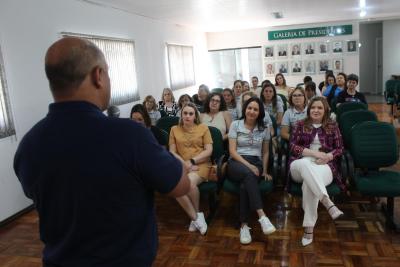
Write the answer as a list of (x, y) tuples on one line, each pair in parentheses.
[(27, 29), (259, 37), (391, 49)]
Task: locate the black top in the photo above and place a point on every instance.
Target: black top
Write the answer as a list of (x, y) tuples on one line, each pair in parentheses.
[(92, 180), (345, 97)]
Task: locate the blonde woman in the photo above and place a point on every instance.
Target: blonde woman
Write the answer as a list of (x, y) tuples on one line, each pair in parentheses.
[(150, 104), (168, 104), (191, 141)]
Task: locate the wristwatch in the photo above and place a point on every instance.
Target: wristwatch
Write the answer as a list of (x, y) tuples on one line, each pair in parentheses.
[(192, 161)]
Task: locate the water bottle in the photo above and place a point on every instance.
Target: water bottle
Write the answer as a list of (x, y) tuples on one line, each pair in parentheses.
[(280, 217)]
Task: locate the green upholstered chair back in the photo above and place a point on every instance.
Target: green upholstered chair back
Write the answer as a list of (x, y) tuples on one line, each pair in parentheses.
[(166, 123), (217, 90), (347, 106), (285, 102), (351, 118), (160, 135), (374, 145), (218, 143)]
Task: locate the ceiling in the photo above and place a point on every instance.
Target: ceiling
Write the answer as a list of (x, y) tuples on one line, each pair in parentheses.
[(228, 15)]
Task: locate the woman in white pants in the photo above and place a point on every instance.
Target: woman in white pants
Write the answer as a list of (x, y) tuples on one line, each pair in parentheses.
[(316, 146)]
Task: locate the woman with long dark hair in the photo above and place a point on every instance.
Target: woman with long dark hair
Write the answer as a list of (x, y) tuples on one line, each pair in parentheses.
[(249, 151)]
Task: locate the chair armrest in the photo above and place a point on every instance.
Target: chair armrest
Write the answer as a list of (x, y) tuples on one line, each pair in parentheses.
[(221, 170), (350, 167)]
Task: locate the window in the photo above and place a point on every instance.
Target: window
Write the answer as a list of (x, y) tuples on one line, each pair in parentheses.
[(120, 57), (181, 66), (6, 122), (229, 65)]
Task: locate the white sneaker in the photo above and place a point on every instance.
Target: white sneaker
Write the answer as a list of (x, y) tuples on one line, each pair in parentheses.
[(192, 227), (200, 223), (266, 226), (245, 237)]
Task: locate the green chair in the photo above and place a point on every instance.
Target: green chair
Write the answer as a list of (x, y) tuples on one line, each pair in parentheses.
[(217, 90), (211, 188), (285, 102), (332, 104), (349, 119), (390, 92), (166, 123), (160, 135), (348, 106), (163, 113), (373, 146)]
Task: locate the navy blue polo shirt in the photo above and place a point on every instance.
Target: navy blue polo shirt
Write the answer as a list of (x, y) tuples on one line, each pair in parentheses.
[(92, 180)]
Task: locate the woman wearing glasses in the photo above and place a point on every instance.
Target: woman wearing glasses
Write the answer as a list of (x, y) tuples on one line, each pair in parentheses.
[(296, 112), (191, 142), (215, 114), (248, 148)]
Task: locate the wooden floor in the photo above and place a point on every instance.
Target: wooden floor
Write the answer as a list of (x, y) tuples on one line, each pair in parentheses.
[(360, 238)]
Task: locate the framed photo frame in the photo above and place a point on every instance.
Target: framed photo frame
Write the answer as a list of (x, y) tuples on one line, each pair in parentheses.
[(351, 46), (268, 51), (323, 65), (283, 51), (309, 66), (282, 67), (269, 68), (323, 48), (296, 67), (337, 65), (309, 49), (295, 49), (337, 47)]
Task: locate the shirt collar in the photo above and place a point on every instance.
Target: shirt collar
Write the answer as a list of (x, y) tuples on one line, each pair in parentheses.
[(73, 106)]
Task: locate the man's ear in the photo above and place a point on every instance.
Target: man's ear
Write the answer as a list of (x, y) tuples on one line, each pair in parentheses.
[(96, 76)]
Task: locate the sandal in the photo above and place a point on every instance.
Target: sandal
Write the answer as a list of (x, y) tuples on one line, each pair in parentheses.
[(335, 213)]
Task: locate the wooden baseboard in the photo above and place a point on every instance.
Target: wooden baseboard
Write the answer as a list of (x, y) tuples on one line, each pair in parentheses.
[(15, 216)]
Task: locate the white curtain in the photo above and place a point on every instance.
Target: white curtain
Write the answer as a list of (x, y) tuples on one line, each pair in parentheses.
[(120, 57), (6, 121), (181, 66)]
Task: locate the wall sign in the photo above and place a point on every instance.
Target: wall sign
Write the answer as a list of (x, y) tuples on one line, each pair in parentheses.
[(310, 32)]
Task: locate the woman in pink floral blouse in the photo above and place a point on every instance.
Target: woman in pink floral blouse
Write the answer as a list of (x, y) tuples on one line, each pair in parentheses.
[(316, 146)]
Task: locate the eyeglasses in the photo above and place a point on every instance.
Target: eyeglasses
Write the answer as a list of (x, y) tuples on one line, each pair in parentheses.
[(215, 100), (188, 113), (297, 95)]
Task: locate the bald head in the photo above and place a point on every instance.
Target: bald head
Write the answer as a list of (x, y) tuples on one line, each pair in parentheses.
[(68, 61)]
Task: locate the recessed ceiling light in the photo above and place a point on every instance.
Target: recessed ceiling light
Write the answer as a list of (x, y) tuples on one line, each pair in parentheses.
[(363, 13)]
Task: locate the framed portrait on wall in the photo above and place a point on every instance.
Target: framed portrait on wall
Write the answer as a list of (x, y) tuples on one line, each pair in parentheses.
[(337, 65), (269, 51), (337, 47), (282, 51), (351, 46), (295, 49), (296, 67), (281, 67), (323, 48), (323, 65), (309, 67), (269, 68), (309, 49)]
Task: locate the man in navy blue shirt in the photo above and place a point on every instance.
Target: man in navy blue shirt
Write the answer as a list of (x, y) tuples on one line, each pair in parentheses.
[(91, 177)]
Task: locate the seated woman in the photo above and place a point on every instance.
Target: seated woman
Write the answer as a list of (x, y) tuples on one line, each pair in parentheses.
[(230, 103), (267, 118), (330, 80), (311, 90), (140, 115), (248, 148), (191, 141), (151, 107), (215, 114), (237, 92), (273, 103), (333, 91), (168, 104), (296, 112), (183, 100), (316, 146), (280, 85), (201, 96)]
